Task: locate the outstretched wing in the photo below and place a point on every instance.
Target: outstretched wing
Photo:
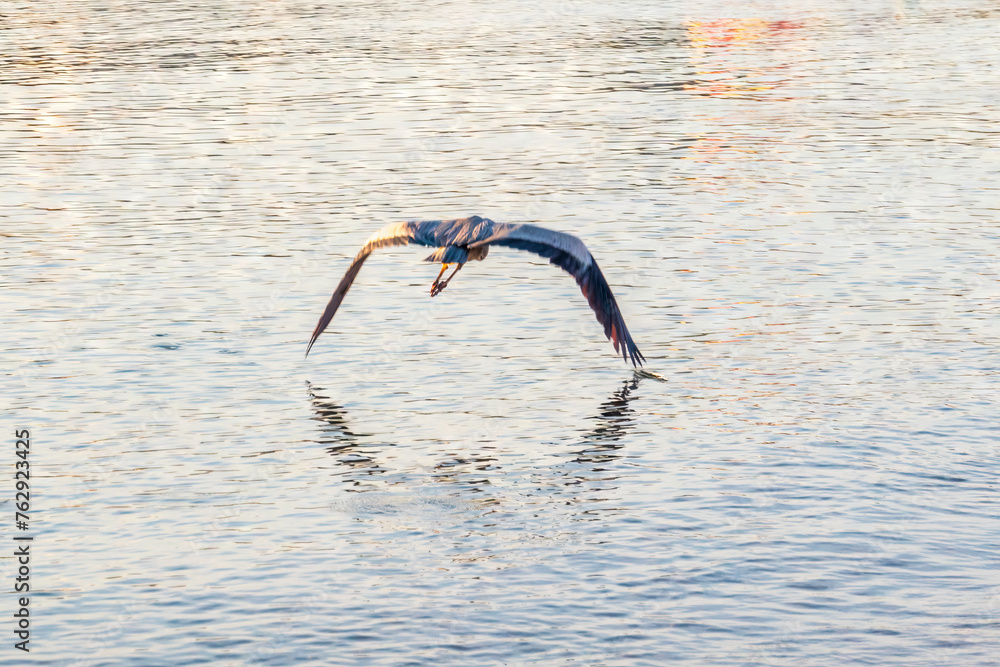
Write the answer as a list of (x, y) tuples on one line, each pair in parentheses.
[(563, 250), (397, 233), (570, 254)]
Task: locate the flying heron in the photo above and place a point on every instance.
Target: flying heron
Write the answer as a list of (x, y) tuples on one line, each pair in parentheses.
[(458, 241)]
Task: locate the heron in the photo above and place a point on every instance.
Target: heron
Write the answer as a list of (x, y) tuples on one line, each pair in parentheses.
[(459, 241)]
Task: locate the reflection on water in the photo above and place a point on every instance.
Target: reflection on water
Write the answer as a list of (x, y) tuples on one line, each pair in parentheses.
[(473, 475), (719, 75), (336, 434), (613, 422), (796, 202)]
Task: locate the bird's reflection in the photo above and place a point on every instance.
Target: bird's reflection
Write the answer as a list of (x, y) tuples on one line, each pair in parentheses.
[(340, 441), (614, 420), (589, 479), (359, 459), (336, 434)]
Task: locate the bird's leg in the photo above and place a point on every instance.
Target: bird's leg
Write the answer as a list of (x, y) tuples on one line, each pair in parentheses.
[(439, 286)]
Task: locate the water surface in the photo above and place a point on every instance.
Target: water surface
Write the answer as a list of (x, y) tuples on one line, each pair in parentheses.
[(795, 204)]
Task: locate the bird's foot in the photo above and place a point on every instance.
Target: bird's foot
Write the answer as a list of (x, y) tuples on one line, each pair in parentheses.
[(438, 283), (438, 287)]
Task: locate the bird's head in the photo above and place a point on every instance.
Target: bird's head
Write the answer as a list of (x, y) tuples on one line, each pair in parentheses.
[(479, 252)]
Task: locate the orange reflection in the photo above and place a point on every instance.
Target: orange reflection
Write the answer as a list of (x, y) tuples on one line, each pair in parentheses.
[(723, 32), (726, 32), (720, 75)]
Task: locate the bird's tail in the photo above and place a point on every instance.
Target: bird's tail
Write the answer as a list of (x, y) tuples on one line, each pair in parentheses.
[(450, 254)]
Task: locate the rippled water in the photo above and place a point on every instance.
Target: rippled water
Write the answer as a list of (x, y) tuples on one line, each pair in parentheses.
[(795, 203)]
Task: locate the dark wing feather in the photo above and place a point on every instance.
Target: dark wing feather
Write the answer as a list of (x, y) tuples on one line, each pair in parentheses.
[(338, 297), (592, 283), (400, 233)]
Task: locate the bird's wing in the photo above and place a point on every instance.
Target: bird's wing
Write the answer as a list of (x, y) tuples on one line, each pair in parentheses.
[(570, 254), (397, 233)]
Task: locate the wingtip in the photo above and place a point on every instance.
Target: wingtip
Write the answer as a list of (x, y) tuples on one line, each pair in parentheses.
[(634, 355)]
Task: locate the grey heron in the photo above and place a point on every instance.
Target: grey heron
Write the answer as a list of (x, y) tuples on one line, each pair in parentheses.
[(458, 241)]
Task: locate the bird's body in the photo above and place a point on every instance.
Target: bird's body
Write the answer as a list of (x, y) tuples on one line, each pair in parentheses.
[(458, 241)]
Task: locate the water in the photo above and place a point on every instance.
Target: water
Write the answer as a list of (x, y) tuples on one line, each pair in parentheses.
[(795, 204)]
